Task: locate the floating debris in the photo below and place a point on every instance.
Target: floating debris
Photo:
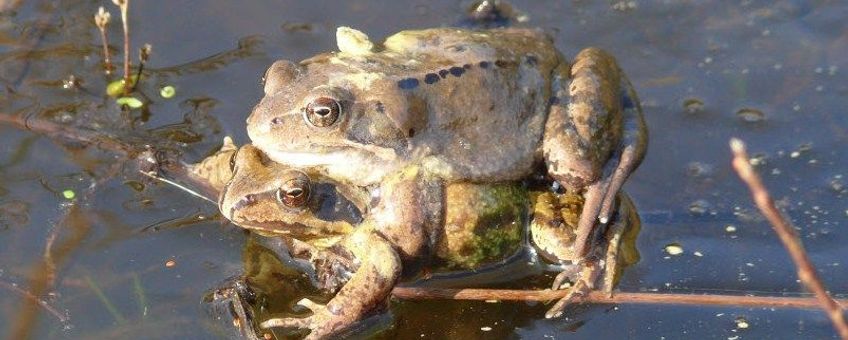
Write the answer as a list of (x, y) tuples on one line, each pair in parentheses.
[(69, 194), (730, 228), (750, 115), (693, 105), (170, 263), (699, 207)]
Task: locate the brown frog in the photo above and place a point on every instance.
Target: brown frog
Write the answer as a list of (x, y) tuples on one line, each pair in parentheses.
[(426, 108), (480, 224)]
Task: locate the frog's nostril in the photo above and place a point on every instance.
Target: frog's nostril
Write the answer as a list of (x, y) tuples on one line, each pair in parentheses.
[(245, 201), (276, 121)]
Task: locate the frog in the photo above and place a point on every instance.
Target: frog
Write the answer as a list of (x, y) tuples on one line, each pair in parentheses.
[(426, 108), (481, 225)]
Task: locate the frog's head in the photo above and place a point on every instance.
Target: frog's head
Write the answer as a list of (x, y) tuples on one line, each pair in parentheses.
[(276, 199), (335, 108)]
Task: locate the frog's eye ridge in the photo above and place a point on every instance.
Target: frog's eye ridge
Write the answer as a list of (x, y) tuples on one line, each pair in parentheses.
[(294, 193), (322, 111)]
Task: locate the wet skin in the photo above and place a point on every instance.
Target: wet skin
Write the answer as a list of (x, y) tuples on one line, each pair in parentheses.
[(481, 224), (428, 108)]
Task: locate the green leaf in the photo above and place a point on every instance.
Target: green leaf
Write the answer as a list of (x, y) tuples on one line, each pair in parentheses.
[(131, 102), (167, 91)]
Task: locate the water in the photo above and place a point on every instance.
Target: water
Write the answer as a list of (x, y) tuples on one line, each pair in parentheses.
[(695, 65)]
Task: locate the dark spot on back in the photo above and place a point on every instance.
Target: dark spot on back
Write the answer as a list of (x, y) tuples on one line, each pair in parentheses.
[(431, 78), (457, 71), (380, 107), (466, 66), (276, 120), (411, 133), (443, 73), (408, 83), (484, 64)]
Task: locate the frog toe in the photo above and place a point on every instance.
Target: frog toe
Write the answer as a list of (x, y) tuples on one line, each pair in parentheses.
[(286, 323), (575, 294), (311, 305)]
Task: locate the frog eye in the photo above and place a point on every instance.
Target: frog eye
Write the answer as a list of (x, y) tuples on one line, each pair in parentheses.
[(322, 111), (294, 193)]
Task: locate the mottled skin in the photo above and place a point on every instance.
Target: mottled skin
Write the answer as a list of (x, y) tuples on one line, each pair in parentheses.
[(480, 224), (454, 105)]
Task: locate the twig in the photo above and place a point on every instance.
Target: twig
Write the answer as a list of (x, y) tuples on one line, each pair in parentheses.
[(806, 271), (50, 309), (419, 293)]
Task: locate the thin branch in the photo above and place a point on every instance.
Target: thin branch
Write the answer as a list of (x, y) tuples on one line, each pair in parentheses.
[(806, 271), (50, 309), (420, 293)]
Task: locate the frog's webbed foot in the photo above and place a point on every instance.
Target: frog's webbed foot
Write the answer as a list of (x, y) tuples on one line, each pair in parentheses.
[(586, 274), (317, 322), (584, 284)]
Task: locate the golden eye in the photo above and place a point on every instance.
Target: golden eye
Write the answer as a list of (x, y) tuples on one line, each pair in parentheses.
[(322, 111), (294, 193)]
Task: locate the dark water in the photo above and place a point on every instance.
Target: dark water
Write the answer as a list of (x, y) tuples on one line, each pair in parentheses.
[(769, 72)]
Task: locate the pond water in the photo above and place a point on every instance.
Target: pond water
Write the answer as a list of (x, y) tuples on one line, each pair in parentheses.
[(130, 257)]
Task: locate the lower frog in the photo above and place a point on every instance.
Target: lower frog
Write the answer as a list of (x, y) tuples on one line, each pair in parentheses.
[(479, 225)]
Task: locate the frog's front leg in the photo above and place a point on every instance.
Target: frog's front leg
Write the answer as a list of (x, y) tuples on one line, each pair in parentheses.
[(370, 285), (595, 136)]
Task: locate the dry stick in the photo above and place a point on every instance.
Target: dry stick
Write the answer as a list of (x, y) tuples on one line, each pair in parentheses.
[(419, 293), (806, 271)]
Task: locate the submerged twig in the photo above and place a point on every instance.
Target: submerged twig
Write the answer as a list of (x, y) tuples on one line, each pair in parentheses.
[(806, 270), (50, 309), (419, 293)]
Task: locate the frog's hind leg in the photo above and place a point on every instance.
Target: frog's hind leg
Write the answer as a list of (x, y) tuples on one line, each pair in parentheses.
[(594, 136), (634, 141)]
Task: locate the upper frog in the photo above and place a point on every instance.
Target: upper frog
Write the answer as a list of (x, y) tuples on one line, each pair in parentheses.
[(468, 104), (455, 105)]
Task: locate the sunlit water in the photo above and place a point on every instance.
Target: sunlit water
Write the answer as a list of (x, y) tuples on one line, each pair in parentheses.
[(134, 258)]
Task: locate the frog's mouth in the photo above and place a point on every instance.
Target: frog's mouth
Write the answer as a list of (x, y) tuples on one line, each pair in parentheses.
[(297, 230)]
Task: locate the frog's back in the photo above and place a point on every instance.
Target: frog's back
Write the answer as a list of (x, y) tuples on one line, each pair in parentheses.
[(476, 100)]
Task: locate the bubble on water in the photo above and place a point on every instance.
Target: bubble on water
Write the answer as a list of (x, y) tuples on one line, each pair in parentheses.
[(673, 249), (730, 228), (758, 159), (741, 323), (699, 207), (801, 149), (750, 115), (698, 169), (837, 184), (693, 105)]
